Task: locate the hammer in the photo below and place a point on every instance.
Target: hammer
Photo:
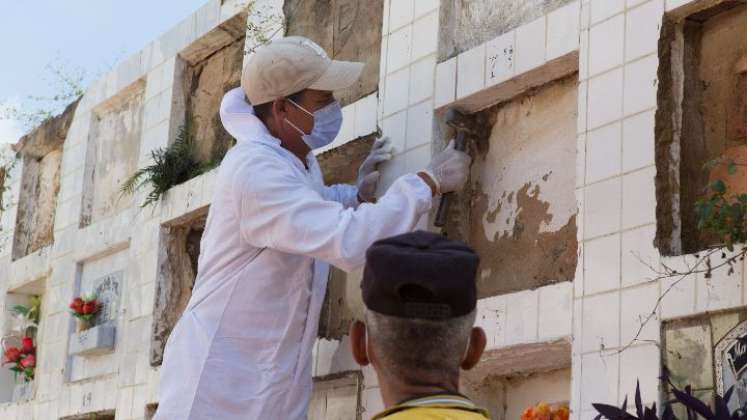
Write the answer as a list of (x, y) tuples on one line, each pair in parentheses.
[(463, 126)]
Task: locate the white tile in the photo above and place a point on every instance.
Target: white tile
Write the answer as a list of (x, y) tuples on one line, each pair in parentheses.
[(425, 36), (396, 93), (491, 317), (556, 308), (601, 318), (580, 160), (603, 9), (422, 74), (446, 82), (578, 278), (398, 49), (401, 13), (522, 317), (585, 14), (603, 153), (347, 130), (583, 55), (563, 30), (633, 3), (605, 98), (583, 94), (385, 20), (500, 53), (639, 257), (641, 85), (638, 141), (606, 42), (639, 198), (722, 290), (395, 127), (365, 116), (470, 71), (636, 365), (642, 29), (602, 264), (599, 378), (530, 45), (678, 294), (419, 125), (424, 6), (640, 316), (207, 17), (417, 159), (602, 208)]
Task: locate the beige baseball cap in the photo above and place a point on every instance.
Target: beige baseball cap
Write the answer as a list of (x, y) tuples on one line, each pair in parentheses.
[(291, 64)]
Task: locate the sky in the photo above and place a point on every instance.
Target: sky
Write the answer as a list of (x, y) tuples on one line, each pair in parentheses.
[(88, 35)]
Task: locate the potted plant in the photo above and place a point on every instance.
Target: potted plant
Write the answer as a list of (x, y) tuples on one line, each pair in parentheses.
[(85, 308)]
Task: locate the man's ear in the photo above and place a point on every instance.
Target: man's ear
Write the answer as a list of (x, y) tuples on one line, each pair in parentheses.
[(477, 343), (280, 107), (358, 342)]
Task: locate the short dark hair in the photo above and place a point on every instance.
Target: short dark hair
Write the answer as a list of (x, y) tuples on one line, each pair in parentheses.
[(419, 350), (263, 110)]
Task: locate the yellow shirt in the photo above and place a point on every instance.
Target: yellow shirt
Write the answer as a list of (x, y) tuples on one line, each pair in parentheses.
[(435, 407)]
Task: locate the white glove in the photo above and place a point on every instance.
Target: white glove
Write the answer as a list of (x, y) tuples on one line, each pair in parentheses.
[(449, 169), (368, 175)]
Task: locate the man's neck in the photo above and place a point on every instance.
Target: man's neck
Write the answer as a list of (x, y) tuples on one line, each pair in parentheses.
[(299, 149), (394, 391)]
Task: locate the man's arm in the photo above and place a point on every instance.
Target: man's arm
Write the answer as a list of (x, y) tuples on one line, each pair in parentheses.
[(279, 212)]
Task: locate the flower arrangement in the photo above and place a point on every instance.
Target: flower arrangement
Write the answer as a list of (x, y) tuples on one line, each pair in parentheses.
[(544, 411), (22, 359), (85, 308)]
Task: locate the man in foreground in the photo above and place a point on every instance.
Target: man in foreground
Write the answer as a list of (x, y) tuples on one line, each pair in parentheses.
[(420, 294), (243, 347)]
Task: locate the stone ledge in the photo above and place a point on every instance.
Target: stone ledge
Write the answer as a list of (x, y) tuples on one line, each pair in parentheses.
[(96, 340), (522, 359), (25, 273)]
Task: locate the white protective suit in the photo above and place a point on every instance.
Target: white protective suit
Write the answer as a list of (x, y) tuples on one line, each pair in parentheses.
[(242, 349)]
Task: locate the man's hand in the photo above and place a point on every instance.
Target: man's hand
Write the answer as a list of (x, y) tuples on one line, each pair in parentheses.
[(448, 170), (368, 175)]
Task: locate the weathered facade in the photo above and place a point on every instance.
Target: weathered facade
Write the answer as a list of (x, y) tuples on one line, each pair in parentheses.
[(594, 118)]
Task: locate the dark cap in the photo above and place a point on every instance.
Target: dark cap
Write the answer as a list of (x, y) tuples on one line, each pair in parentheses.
[(420, 275)]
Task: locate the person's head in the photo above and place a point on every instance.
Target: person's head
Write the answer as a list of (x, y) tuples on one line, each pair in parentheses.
[(420, 293), (290, 83)]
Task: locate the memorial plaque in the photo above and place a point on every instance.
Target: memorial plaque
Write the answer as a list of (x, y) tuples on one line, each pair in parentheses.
[(731, 365), (108, 289)]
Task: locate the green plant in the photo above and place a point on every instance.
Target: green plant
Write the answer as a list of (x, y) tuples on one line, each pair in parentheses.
[(720, 212), (30, 315), (171, 166), (694, 407)]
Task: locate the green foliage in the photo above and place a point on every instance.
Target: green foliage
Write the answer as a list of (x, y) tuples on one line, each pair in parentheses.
[(720, 212), (31, 314), (171, 166)]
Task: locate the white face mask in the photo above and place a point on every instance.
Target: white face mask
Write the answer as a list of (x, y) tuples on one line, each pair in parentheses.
[(327, 123)]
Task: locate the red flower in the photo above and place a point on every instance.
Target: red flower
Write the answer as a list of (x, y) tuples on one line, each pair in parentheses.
[(12, 355), (28, 361), (28, 345), (89, 307), (77, 305)]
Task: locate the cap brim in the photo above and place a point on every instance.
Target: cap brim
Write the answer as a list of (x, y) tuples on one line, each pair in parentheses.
[(339, 75)]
